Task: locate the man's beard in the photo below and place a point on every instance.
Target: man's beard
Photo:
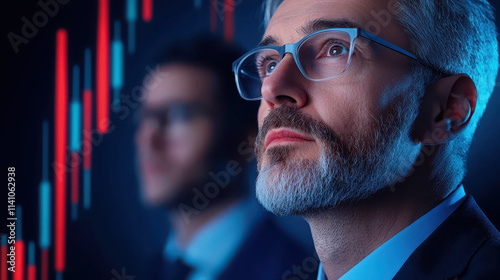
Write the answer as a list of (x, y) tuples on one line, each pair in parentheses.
[(186, 189), (347, 170)]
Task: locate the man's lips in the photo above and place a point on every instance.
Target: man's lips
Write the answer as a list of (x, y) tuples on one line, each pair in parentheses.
[(150, 168), (285, 135)]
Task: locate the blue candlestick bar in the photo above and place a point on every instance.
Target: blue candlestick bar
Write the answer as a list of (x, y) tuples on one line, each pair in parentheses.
[(116, 66), (131, 17), (44, 194)]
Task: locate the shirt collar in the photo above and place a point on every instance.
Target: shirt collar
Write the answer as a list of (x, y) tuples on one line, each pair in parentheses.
[(213, 246), (387, 260)]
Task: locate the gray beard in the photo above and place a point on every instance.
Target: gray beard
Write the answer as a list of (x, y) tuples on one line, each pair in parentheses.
[(345, 172)]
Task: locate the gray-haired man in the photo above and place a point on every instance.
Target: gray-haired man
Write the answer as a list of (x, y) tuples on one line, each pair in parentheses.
[(367, 112)]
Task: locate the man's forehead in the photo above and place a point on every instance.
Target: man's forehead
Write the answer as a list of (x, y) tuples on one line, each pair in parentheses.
[(177, 83), (296, 18)]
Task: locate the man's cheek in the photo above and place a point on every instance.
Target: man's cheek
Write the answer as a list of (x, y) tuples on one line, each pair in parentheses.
[(263, 111)]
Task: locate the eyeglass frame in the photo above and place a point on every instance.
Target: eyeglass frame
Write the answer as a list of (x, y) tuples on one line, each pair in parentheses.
[(195, 110), (354, 32)]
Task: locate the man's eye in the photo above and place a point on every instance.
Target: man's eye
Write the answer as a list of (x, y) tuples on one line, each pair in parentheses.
[(180, 114), (336, 50), (270, 67), (266, 66)]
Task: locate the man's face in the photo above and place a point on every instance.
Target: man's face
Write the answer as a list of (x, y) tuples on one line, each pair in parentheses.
[(353, 130), (175, 134)]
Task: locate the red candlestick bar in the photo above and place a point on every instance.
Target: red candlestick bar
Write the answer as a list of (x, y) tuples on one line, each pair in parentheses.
[(19, 246), (228, 20), (45, 264), (102, 65), (61, 124), (3, 269), (147, 10), (31, 272)]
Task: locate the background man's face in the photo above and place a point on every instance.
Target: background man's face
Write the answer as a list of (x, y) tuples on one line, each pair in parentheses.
[(173, 156), (354, 121)]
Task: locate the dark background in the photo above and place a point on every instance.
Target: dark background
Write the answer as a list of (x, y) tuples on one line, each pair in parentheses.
[(118, 231)]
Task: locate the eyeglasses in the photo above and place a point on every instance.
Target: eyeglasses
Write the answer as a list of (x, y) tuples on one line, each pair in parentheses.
[(319, 56), (179, 113)]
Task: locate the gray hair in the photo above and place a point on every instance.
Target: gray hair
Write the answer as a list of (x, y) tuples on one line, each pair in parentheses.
[(458, 37)]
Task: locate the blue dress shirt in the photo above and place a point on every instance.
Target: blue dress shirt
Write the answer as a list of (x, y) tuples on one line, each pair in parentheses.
[(387, 260)]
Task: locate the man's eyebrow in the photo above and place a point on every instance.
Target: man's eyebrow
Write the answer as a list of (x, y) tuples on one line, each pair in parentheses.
[(312, 26), (320, 24), (269, 41)]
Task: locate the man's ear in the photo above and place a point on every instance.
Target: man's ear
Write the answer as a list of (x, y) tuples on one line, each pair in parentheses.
[(447, 108)]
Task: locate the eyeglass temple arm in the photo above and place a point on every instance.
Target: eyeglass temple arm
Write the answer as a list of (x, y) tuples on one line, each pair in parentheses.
[(390, 45)]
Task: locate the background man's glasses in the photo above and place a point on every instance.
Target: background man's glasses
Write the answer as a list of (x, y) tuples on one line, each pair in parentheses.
[(179, 113), (320, 56)]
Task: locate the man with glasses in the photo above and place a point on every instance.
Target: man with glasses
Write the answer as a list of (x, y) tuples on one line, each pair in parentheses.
[(193, 149), (364, 132)]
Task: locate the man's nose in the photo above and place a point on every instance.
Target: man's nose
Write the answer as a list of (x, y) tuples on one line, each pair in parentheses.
[(285, 85), (151, 134)]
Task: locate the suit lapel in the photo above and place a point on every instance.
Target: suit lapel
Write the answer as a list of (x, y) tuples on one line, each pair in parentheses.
[(447, 252)]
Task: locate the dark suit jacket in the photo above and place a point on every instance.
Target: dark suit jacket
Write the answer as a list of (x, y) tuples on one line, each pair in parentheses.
[(465, 246), (268, 253)]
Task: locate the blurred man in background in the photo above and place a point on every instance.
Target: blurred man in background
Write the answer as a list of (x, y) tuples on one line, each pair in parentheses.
[(194, 142)]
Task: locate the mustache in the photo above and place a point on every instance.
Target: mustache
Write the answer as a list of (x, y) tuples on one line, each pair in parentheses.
[(291, 117)]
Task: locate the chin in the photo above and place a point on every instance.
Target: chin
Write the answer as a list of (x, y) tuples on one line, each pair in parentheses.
[(153, 199), (154, 193)]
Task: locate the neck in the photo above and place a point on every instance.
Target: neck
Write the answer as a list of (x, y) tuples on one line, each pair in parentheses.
[(185, 228), (347, 234)]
